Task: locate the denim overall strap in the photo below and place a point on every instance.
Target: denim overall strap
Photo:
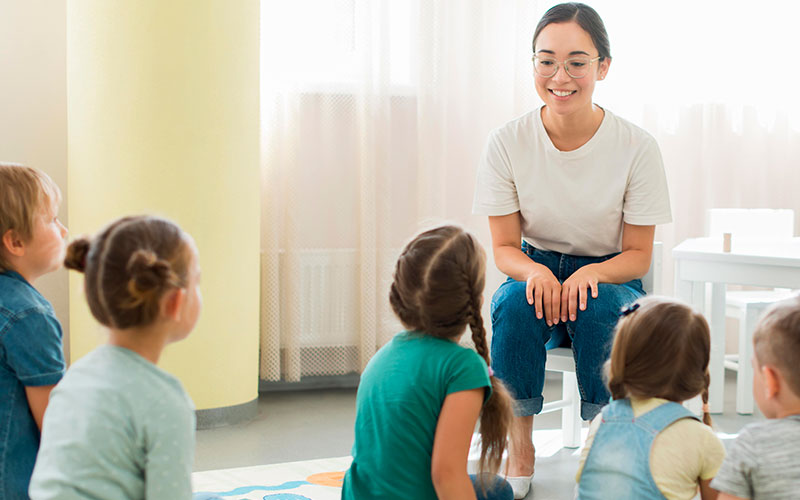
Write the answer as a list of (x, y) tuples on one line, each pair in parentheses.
[(659, 418), (618, 465), (619, 410)]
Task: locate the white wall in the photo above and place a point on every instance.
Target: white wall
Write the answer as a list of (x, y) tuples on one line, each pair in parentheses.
[(33, 105)]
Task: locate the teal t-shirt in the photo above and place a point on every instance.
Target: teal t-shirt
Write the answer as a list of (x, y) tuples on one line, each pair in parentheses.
[(117, 428), (399, 399)]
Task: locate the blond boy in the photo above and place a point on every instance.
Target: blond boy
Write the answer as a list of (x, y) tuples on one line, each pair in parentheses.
[(764, 461), (31, 356)]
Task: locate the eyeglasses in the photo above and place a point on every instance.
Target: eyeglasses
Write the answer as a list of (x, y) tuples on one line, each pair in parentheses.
[(576, 67)]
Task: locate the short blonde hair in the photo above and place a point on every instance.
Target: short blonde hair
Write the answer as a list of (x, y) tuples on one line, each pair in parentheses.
[(776, 340), (24, 191)]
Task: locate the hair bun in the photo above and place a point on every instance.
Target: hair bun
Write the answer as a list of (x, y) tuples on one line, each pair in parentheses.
[(148, 274), (76, 254)]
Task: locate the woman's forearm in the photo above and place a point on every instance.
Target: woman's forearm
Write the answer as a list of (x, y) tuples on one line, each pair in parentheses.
[(628, 265), (512, 262)]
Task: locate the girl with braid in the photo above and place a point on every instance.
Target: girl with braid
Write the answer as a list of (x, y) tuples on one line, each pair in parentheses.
[(644, 443), (421, 395), (118, 427)]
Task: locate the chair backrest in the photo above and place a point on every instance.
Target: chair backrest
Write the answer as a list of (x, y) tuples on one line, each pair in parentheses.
[(749, 224), (651, 282)]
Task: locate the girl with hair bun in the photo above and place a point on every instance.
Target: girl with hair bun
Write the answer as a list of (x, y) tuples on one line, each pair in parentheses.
[(117, 426), (421, 395), (644, 443)]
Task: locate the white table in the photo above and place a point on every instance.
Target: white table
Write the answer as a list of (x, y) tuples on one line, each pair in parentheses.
[(701, 260)]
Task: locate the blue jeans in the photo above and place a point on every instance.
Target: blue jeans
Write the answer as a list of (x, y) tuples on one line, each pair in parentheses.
[(520, 340), (497, 488)]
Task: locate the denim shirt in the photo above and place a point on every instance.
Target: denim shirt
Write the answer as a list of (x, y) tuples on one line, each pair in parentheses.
[(30, 355)]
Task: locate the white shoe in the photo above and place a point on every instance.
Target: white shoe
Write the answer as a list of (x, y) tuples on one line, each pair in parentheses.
[(520, 485)]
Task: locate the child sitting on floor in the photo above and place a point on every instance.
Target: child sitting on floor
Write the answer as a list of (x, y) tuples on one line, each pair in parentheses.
[(422, 393), (644, 443), (31, 359), (763, 462), (118, 427)]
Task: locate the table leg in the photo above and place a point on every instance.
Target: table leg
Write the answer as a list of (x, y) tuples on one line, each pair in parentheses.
[(716, 367), (683, 288), (692, 294)]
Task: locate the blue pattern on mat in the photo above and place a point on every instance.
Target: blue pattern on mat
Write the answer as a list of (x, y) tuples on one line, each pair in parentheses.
[(286, 496), (249, 489)]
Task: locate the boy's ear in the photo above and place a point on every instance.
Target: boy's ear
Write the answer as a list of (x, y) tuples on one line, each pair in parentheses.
[(172, 303), (13, 243), (772, 381)]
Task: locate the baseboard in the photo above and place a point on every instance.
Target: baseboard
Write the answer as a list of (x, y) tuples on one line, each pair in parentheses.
[(348, 381), (226, 415)]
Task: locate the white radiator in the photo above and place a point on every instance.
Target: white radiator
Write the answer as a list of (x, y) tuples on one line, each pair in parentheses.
[(311, 313)]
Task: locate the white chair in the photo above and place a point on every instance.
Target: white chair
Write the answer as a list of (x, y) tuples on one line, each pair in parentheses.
[(761, 225), (561, 359)]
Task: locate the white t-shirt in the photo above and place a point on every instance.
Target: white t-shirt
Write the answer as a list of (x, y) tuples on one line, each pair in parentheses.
[(573, 202)]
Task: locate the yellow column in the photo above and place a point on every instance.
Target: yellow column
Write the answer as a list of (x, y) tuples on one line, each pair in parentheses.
[(163, 119)]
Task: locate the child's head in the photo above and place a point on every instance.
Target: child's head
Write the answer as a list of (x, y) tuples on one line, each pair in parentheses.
[(438, 282), (132, 266), (32, 236), (438, 290), (776, 351), (661, 349)]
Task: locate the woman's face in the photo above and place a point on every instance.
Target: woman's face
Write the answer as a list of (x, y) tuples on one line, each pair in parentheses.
[(561, 93)]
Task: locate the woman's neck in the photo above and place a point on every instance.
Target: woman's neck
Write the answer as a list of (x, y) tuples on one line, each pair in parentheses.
[(569, 132), (147, 342)]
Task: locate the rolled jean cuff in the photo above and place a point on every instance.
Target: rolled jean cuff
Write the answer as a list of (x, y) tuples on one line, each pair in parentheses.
[(528, 407), (590, 410)]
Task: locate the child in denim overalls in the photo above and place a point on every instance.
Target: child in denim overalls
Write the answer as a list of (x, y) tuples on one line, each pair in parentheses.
[(645, 444)]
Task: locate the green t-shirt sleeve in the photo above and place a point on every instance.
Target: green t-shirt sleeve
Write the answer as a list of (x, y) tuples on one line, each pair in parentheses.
[(466, 371), (169, 451)]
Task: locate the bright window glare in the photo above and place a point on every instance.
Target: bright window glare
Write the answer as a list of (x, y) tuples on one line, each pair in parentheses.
[(325, 43)]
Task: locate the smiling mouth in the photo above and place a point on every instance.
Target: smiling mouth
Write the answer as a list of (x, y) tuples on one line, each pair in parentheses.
[(562, 93)]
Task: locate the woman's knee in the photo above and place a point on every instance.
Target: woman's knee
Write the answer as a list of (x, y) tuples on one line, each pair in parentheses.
[(514, 322), (510, 299), (611, 298)]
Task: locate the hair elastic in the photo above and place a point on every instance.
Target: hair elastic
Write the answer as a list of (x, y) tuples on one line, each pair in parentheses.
[(706, 409), (491, 372), (629, 309)]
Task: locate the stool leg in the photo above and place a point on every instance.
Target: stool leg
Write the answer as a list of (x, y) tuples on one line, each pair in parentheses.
[(571, 414), (744, 375)]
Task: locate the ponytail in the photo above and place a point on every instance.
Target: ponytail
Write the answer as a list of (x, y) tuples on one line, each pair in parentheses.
[(496, 415), (704, 396)]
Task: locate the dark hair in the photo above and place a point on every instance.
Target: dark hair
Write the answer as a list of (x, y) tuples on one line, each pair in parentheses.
[(437, 289), (661, 349), (129, 266), (586, 17), (776, 340)]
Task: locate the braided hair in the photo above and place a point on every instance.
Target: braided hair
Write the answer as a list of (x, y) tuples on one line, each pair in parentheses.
[(437, 290)]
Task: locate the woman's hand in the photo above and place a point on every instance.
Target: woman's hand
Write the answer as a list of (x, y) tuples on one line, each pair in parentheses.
[(544, 293), (575, 291)]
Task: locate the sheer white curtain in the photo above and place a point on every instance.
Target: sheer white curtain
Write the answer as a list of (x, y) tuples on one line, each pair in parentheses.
[(375, 114)]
